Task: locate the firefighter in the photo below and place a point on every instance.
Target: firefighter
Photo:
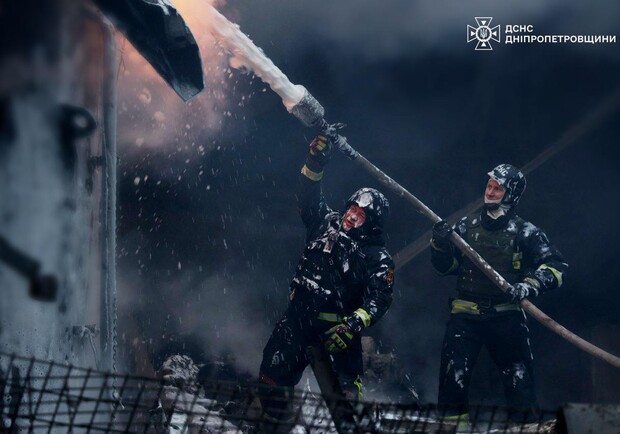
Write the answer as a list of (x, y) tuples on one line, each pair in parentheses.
[(482, 314), (342, 285)]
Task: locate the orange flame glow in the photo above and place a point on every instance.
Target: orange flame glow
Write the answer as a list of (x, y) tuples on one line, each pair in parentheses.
[(150, 112)]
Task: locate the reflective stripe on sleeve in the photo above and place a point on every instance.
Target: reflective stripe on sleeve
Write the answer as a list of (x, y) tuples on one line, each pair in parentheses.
[(556, 273), (364, 316), (312, 176)]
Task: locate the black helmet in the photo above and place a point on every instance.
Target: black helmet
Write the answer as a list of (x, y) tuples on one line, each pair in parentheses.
[(374, 204), (513, 180)]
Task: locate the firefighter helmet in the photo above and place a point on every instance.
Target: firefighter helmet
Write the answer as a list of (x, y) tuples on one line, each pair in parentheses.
[(374, 204), (513, 180)]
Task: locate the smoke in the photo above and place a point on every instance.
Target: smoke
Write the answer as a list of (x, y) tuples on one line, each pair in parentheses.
[(216, 314), (151, 115), (422, 105)]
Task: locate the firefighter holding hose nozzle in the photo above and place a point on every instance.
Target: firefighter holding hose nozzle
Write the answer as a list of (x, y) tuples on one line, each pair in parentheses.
[(482, 314), (342, 285)]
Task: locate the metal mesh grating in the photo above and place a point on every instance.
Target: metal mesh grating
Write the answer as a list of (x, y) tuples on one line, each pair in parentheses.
[(41, 396)]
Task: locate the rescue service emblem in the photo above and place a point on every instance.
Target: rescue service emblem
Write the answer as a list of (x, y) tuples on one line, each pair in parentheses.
[(389, 276)]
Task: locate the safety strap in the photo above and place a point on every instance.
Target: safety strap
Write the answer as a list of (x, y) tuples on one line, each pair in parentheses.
[(465, 306), (506, 307), (331, 317)]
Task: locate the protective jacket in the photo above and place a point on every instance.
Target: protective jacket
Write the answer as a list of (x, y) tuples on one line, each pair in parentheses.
[(514, 247), (338, 273), (483, 315)]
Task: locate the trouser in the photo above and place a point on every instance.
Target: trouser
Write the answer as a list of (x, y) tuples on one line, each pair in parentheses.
[(506, 337), (285, 359)]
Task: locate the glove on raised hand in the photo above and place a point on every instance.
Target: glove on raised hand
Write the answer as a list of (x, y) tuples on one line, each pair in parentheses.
[(320, 151)]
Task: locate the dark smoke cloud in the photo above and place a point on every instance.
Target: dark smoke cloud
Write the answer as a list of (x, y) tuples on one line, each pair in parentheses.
[(421, 104)]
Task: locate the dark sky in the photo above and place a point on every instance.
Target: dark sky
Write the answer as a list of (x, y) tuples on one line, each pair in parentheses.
[(209, 241)]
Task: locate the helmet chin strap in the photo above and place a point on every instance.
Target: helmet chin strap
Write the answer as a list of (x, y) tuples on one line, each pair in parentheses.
[(495, 209)]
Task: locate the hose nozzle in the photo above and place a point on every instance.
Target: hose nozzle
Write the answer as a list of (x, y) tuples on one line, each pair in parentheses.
[(309, 111)]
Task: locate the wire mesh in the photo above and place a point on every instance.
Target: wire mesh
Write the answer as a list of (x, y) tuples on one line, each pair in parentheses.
[(46, 396)]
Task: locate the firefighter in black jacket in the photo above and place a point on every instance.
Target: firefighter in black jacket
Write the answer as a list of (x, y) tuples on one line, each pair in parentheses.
[(342, 285), (482, 314)]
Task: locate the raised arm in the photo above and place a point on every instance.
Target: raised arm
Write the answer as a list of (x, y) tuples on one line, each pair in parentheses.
[(310, 201)]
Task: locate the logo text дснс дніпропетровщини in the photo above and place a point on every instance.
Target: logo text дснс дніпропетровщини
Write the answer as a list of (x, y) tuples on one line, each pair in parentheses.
[(484, 34)]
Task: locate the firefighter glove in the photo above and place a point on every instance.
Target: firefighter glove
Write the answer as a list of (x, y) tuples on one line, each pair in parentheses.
[(338, 338), (528, 288), (441, 235), (320, 150)]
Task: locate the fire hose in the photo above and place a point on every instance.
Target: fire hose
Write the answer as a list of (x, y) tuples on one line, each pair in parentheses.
[(300, 103)]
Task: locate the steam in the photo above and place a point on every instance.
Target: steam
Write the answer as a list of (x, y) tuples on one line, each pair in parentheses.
[(247, 55), (214, 312), (152, 116)]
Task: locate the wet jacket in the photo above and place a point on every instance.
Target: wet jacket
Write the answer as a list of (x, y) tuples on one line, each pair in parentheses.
[(514, 247), (338, 273)]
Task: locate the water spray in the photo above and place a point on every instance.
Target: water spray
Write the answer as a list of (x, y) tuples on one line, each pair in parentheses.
[(300, 103)]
